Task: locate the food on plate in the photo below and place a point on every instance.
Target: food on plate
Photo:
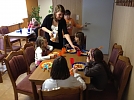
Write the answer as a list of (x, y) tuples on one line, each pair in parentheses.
[(55, 53), (71, 50), (79, 66)]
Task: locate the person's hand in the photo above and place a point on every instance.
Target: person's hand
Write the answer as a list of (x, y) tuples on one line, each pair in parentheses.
[(75, 47), (88, 59), (67, 45), (51, 34), (75, 70), (90, 54), (51, 56)]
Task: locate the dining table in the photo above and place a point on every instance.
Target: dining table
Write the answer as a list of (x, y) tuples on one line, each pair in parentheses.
[(40, 75), (23, 34)]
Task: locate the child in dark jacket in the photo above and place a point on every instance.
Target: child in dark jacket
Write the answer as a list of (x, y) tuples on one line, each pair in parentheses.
[(97, 69)]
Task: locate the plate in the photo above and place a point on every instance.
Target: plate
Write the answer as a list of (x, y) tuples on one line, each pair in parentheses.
[(79, 65), (84, 52), (71, 51), (46, 64)]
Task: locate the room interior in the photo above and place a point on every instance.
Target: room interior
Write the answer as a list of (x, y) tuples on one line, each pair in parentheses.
[(121, 33)]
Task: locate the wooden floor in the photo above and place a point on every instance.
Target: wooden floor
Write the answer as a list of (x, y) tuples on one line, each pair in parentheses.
[(6, 89)]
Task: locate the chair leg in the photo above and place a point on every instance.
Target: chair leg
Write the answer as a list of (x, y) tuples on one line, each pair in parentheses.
[(20, 42), (16, 95), (1, 80)]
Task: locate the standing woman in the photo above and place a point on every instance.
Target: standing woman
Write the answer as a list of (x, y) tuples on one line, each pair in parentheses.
[(53, 25)]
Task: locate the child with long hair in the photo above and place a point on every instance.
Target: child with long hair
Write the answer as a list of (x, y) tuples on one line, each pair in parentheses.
[(97, 69), (60, 76), (42, 50), (79, 41)]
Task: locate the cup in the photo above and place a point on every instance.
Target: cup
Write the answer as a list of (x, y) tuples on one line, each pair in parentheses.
[(28, 30), (63, 50), (71, 61), (20, 30), (78, 52), (60, 54)]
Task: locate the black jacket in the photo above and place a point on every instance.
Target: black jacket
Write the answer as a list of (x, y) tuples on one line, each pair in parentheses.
[(61, 26), (97, 73)]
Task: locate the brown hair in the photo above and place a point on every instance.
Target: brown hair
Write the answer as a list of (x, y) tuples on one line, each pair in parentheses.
[(40, 42), (60, 70), (57, 9), (80, 35)]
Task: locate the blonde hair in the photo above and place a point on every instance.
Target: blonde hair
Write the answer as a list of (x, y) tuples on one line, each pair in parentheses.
[(40, 42), (57, 9)]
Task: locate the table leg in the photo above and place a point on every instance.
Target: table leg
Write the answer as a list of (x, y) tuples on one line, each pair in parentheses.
[(34, 91), (26, 40)]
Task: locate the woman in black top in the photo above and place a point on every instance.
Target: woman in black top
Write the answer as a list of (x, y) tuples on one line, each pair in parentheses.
[(53, 25)]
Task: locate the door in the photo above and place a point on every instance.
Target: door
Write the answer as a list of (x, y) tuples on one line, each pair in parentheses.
[(99, 14)]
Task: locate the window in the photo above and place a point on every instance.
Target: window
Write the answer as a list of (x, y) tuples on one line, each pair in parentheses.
[(12, 12)]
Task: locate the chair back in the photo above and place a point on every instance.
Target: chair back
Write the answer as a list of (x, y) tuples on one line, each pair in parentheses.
[(8, 46), (74, 93), (1, 43), (29, 52), (4, 30), (121, 74), (41, 32), (16, 65), (116, 51)]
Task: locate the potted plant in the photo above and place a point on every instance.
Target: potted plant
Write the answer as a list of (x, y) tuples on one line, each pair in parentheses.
[(35, 14), (50, 10)]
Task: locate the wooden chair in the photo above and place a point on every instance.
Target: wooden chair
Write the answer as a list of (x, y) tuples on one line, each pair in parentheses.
[(17, 65), (2, 56), (4, 30), (41, 32), (74, 93), (115, 90), (8, 46), (29, 52), (116, 51)]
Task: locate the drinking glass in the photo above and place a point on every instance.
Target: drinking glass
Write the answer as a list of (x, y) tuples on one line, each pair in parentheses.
[(78, 52), (71, 61)]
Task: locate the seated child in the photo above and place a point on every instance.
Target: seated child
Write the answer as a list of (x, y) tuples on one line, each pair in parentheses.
[(42, 50), (97, 69), (79, 41), (60, 76), (35, 28)]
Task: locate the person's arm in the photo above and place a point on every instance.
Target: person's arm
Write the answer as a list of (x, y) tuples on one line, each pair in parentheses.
[(39, 55), (44, 25), (69, 40), (93, 71), (49, 47), (76, 25), (66, 35), (80, 80)]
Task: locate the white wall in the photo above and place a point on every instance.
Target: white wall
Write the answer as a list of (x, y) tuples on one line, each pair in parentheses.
[(44, 7)]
